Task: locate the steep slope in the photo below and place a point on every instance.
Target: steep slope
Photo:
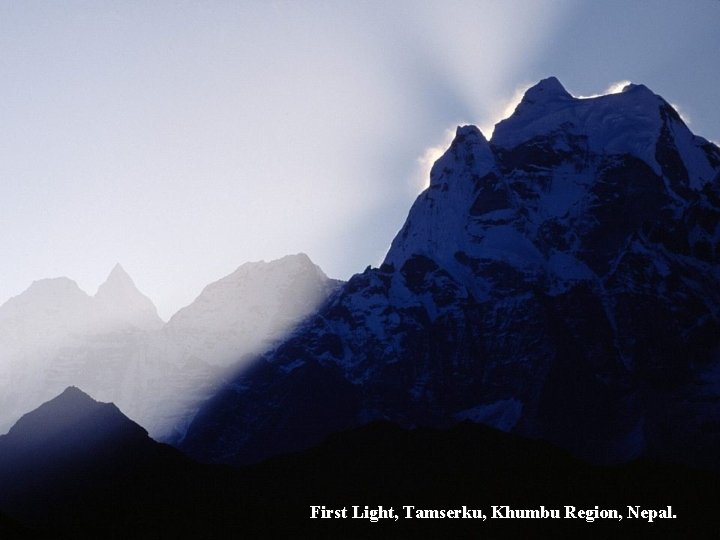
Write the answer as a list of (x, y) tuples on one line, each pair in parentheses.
[(250, 309), (203, 344), (560, 281), (122, 304)]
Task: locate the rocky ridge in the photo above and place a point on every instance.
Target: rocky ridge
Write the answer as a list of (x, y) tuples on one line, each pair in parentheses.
[(559, 281)]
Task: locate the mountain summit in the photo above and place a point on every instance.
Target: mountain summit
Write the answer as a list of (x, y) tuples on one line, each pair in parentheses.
[(115, 346), (124, 304), (559, 281), (73, 454), (73, 420), (250, 309), (117, 281), (55, 334), (549, 89)]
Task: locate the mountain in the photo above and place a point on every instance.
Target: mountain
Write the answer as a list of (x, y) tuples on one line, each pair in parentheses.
[(115, 346), (56, 309), (560, 281), (71, 447), (250, 309), (123, 304), (76, 468), (46, 334), (205, 343)]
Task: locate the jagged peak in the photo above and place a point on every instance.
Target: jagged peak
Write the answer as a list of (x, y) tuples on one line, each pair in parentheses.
[(124, 303), (469, 148), (118, 279), (623, 122), (118, 271), (550, 89), (463, 132)]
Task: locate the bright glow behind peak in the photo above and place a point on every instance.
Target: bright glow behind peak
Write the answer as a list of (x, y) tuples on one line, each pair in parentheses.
[(430, 156), (615, 88), (681, 113), (506, 110)]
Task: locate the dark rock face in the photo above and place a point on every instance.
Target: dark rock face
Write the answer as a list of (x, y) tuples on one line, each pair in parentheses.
[(560, 281), (72, 453)]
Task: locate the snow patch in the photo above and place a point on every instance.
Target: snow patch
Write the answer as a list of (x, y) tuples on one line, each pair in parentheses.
[(567, 270), (614, 88), (506, 244), (292, 366), (503, 414)]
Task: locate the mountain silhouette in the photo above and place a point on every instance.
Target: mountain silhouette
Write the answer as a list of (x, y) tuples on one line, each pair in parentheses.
[(76, 468), (559, 281)]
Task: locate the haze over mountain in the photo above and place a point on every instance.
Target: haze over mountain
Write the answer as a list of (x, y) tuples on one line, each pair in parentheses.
[(560, 281), (115, 346), (232, 320), (43, 329)]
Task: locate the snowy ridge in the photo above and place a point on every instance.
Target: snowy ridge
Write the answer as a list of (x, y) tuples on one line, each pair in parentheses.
[(561, 281), (623, 123)]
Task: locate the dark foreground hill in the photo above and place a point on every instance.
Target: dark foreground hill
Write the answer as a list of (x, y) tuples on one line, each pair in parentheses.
[(76, 468), (11, 530)]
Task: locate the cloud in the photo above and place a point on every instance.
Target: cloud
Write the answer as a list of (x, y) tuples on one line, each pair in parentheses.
[(682, 113), (618, 86), (614, 88), (430, 156), (504, 110)]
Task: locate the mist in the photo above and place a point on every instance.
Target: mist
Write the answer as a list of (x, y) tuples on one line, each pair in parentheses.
[(114, 346)]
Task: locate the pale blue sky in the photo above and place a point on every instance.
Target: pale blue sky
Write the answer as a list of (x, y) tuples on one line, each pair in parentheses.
[(184, 138)]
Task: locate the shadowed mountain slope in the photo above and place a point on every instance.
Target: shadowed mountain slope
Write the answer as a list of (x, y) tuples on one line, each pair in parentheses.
[(76, 468), (560, 281)]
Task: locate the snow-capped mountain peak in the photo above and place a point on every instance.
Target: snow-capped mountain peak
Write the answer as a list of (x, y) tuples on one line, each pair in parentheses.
[(435, 222), (634, 122), (560, 281), (547, 90)]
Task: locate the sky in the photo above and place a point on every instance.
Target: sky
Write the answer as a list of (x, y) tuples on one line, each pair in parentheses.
[(184, 138)]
